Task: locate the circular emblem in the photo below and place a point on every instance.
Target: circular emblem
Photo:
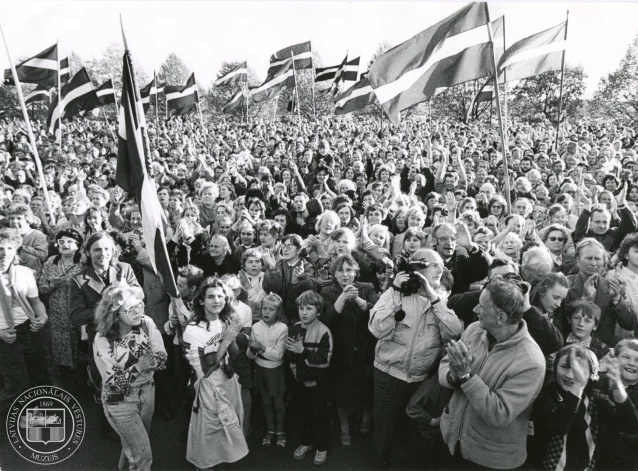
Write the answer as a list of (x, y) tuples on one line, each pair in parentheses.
[(45, 425)]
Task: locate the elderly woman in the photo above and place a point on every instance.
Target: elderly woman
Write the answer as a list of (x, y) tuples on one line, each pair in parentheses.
[(604, 291), (561, 247), (216, 258), (510, 247), (55, 281), (317, 245), (128, 349), (215, 434), (208, 193), (348, 305)]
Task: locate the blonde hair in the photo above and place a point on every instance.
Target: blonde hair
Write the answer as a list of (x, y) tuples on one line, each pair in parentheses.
[(113, 297)]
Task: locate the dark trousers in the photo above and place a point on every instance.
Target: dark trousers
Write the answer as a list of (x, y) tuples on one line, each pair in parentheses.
[(312, 415), (457, 462), (165, 379), (23, 364), (391, 396)]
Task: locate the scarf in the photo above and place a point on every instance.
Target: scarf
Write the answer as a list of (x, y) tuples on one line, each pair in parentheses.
[(8, 292)]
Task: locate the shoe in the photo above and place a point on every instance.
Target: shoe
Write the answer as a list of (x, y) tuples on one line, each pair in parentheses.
[(301, 452), (366, 427), (268, 439), (321, 457), (346, 440), (281, 440)]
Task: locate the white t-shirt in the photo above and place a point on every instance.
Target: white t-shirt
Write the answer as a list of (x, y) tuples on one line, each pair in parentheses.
[(26, 285), (202, 340)]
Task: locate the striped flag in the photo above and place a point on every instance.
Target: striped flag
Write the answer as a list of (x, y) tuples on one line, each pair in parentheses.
[(151, 91), (41, 93), (302, 53), (41, 69), (237, 100), (238, 75), (351, 73), (348, 72), (293, 102), (182, 99), (279, 77), (534, 55), (133, 174), (355, 98), (65, 71), (453, 51), (106, 93), (77, 95)]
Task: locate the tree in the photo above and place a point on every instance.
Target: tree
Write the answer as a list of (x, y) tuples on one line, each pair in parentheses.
[(455, 101), (538, 97), (215, 97), (173, 71), (108, 65), (617, 93)]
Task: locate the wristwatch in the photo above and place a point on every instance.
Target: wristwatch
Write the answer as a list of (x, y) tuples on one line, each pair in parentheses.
[(465, 377)]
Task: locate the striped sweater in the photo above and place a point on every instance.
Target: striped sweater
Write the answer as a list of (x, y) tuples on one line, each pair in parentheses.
[(311, 365)]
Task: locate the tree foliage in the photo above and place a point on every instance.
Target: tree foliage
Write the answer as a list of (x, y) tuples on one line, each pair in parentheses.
[(108, 65), (455, 102), (173, 71), (617, 93), (215, 97), (538, 97)]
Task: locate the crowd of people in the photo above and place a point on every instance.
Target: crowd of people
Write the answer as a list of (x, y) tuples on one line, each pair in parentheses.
[(400, 279)]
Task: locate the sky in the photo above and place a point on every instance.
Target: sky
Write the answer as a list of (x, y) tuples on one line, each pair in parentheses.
[(204, 34)]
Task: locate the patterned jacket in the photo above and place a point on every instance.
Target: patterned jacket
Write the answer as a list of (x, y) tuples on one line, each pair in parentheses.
[(311, 366)]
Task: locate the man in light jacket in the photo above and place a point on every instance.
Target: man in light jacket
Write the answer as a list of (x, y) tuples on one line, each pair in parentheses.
[(412, 330), (496, 371)]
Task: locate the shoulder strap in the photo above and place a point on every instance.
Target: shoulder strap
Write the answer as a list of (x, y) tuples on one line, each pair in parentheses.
[(118, 271)]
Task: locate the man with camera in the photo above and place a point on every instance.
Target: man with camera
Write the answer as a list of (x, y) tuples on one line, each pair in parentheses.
[(412, 324)]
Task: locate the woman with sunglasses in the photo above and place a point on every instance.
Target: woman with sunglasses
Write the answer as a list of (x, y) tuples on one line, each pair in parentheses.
[(557, 240), (128, 349)]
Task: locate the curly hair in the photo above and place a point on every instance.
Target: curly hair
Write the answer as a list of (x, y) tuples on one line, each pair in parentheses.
[(106, 319), (628, 242), (228, 311)]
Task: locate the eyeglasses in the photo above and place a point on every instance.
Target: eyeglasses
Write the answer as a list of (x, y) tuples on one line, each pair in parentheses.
[(556, 239), (137, 309), (497, 206), (288, 246)]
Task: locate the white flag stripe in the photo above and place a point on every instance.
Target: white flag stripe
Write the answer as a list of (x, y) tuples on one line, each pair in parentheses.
[(146, 100), (50, 64), (351, 68), (449, 47), (272, 83), (72, 95), (353, 95), (531, 53), (64, 71), (230, 75), (35, 93), (175, 95), (107, 91), (303, 55), (235, 99)]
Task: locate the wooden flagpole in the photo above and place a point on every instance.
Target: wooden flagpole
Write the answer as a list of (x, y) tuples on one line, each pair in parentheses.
[(312, 67), (505, 108), (156, 109), (508, 195), (117, 108), (108, 125), (294, 74), (562, 78), (57, 46), (199, 109), (27, 121), (246, 91), (274, 114)]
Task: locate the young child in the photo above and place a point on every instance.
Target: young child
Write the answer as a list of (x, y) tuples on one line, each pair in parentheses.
[(267, 347), (252, 279), (584, 317), (309, 347), (413, 240)]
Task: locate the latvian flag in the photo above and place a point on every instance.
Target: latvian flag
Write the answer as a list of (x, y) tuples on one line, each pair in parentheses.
[(150, 90), (293, 102), (106, 93), (534, 55), (348, 72), (453, 51), (302, 53), (355, 98), (133, 174), (41, 69), (182, 99), (235, 102), (351, 72), (238, 75), (41, 93), (77, 95), (65, 71), (279, 77)]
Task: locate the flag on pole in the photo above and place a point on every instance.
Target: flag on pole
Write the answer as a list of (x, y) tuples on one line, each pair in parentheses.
[(293, 102), (41, 69), (106, 93), (355, 98), (237, 100), (65, 71), (350, 74), (41, 93), (484, 94), (77, 95), (182, 99), (534, 55), (453, 51), (302, 53), (133, 174), (149, 91), (238, 75), (279, 77)]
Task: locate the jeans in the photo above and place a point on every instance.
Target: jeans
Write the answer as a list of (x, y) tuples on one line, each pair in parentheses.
[(131, 419), (23, 363)]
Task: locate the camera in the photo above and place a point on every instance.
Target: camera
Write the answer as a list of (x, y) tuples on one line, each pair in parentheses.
[(413, 284)]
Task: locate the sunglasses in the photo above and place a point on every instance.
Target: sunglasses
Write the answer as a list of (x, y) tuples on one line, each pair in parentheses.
[(556, 239)]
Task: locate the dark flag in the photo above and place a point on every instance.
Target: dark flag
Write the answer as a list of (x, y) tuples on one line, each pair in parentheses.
[(235, 102), (133, 174), (182, 99), (151, 91), (41, 69), (41, 93), (238, 75), (65, 71), (106, 93), (355, 98), (293, 102), (77, 95), (279, 77), (302, 53)]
